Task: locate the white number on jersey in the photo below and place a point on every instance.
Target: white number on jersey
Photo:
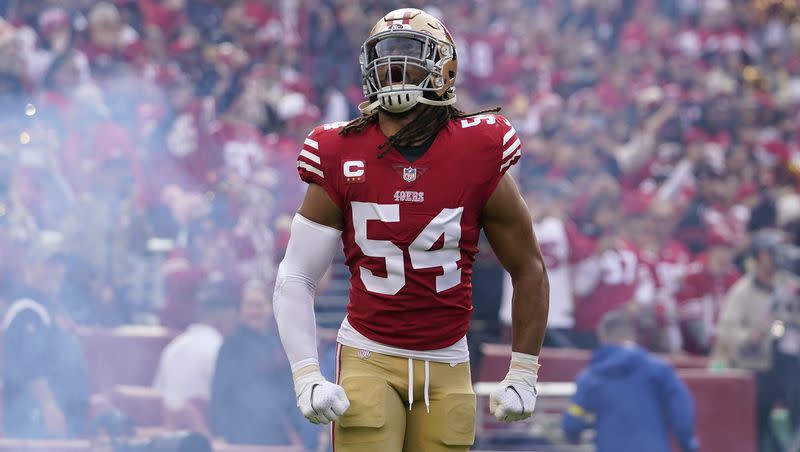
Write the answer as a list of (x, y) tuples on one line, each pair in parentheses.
[(334, 125), (447, 223), (619, 267), (395, 274), (475, 120)]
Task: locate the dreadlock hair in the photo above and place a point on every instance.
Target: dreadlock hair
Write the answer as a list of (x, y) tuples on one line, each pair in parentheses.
[(429, 120)]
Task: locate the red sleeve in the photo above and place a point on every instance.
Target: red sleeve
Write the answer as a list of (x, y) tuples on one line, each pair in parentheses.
[(508, 149), (510, 145), (580, 246), (317, 164)]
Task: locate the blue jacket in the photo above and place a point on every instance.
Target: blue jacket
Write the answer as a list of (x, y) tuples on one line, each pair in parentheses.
[(632, 400)]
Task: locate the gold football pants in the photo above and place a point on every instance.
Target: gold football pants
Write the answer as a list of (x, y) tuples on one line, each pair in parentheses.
[(379, 418)]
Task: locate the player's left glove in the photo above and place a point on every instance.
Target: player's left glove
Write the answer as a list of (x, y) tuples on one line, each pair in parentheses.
[(515, 397)]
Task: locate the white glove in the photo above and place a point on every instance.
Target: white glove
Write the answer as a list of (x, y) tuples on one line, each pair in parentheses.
[(515, 397), (320, 401)]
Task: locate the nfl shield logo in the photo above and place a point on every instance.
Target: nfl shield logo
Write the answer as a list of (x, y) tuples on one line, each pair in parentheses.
[(409, 174)]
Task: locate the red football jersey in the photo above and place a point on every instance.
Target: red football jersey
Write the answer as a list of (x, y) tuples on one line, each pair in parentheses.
[(703, 293), (668, 266), (411, 229), (617, 276)]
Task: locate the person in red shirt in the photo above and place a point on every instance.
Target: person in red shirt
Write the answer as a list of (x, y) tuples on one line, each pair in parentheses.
[(613, 277), (667, 260), (702, 294), (407, 188)]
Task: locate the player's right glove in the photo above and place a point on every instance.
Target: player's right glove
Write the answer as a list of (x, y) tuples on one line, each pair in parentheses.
[(515, 397), (320, 401)]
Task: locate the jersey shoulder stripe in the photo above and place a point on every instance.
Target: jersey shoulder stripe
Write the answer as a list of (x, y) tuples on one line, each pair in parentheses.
[(511, 145)]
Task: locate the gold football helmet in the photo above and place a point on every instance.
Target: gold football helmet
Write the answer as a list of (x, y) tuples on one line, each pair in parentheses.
[(408, 58)]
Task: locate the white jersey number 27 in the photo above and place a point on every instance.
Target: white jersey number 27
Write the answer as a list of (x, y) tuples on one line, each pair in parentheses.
[(447, 223)]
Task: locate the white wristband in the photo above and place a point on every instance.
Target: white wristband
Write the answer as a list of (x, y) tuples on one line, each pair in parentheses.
[(524, 359)]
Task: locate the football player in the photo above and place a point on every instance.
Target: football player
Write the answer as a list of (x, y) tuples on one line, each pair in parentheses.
[(406, 188)]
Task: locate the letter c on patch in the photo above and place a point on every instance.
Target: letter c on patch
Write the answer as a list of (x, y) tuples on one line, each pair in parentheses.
[(353, 168)]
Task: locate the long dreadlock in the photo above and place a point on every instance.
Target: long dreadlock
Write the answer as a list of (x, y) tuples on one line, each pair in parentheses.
[(426, 124)]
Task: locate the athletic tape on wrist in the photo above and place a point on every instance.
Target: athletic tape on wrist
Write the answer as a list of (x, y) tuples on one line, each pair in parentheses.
[(524, 368)]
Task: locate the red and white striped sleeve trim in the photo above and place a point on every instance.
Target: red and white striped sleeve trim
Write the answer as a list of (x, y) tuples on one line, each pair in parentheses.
[(309, 158), (512, 149)]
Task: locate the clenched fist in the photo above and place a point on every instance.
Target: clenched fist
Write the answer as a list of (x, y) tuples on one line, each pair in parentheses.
[(515, 397), (320, 401)]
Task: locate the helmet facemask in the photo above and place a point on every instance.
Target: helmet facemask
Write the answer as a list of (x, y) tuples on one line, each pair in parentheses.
[(400, 68)]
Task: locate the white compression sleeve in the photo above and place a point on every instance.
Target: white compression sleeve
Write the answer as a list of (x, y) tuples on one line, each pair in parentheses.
[(309, 254)]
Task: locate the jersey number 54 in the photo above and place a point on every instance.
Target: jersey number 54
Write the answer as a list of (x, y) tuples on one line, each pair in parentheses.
[(447, 223)]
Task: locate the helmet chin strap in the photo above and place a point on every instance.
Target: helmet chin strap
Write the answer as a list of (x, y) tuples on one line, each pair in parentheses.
[(367, 107), (449, 101)]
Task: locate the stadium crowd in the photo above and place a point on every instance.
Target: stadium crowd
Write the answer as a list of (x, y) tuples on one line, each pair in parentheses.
[(148, 147)]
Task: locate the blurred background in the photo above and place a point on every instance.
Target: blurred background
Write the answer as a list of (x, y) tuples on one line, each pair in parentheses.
[(147, 183)]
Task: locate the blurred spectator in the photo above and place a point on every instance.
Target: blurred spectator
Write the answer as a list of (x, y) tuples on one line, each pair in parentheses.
[(45, 379), (90, 299), (760, 330), (210, 252), (179, 151), (42, 271), (651, 223), (702, 295), (251, 369), (186, 367), (613, 277), (57, 35), (108, 39), (713, 210), (104, 231), (562, 247), (629, 397)]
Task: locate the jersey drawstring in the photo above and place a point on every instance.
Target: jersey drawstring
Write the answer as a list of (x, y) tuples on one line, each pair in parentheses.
[(410, 383), (427, 379), (426, 397)]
